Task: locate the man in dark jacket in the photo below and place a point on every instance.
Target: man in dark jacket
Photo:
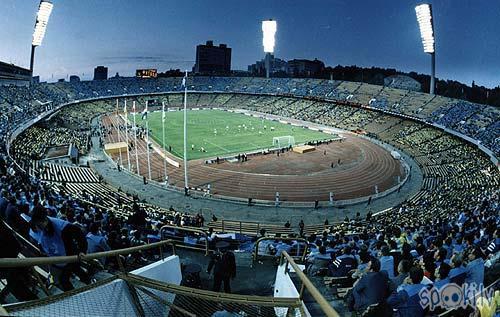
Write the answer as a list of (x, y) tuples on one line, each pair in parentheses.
[(406, 300), (3, 203), (224, 264), (59, 238), (138, 218), (372, 288), (17, 278)]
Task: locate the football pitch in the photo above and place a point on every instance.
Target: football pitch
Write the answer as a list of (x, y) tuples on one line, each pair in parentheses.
[(221, 133)]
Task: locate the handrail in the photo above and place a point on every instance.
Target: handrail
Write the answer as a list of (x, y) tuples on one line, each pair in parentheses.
[(188, 229), (37, 261), (20, 237), (322, 302), (265, 301), (141, 282), (256, 247)]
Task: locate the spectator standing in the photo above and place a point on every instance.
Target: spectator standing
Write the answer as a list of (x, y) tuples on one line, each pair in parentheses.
[(59, 238), (224, 264)]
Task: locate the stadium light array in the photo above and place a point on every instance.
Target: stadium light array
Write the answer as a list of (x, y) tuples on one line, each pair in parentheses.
[(269, 28), (42, 19), (425, 22)]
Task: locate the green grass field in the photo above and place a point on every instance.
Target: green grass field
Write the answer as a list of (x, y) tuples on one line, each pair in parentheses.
[(236, 133)]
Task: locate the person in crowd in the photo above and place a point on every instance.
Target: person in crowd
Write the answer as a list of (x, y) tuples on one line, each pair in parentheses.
[(96, 242), (13, 215), (4, 201), (475, 267), (386, 262), (301, 227), (406, 299), (370, 289), (403, 271), (442, 275), (223, 263), (18, 283), (364, 261), (458, 272), (138, 218), (344, 263), (57, 237), (317, 261)]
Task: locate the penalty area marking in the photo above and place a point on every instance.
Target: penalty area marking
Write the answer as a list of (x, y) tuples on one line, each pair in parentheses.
[(220, 147)]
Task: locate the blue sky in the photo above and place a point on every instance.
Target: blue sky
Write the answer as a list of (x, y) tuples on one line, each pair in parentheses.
[(129, 34)]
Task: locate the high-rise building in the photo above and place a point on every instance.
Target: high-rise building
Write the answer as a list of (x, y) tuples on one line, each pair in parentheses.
[(212, 59), (100, 73), (305, 67)]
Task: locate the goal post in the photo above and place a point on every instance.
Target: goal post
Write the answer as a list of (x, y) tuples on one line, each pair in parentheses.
[(283, 141)]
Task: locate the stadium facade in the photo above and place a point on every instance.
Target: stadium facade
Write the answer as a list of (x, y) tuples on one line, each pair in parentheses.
[(14, 75)]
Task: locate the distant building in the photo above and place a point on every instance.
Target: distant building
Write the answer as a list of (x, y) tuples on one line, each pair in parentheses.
[(277, 66), (61, 80), (100, 73), (146, 73), (14, 75), (305, 67), (74, 79), (212, 59), (35, 79)]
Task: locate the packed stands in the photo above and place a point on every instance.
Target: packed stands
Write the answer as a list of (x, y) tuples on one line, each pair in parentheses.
[(453, 220)]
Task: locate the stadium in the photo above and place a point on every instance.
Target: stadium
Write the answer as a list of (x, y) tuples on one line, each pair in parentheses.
[(308, 184)]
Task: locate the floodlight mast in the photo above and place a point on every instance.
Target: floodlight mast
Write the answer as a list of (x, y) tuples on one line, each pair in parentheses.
[(268, 31), (426, 25), (42, 18)]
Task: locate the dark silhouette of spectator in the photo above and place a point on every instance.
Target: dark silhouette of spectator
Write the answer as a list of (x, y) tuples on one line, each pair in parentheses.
[(371, 289), (17, 278), (224, 264)]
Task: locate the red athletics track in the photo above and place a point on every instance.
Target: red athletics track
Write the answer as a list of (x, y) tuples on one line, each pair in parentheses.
[(297, 177)]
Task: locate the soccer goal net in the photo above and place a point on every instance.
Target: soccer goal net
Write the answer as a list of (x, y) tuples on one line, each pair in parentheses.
[(283, 141)]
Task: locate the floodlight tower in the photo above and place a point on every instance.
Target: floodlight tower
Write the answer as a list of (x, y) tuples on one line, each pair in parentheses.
[(426, 24), (42, 18), (268, 31)]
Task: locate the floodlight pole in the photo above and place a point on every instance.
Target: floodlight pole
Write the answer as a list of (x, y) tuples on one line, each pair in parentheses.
[(42, 18), (268, 32), (147, 142), (126, 135), (426, 26), (135, 146), (186, 186), (32, 60), (433, 73), (267, 62), (163, 140)]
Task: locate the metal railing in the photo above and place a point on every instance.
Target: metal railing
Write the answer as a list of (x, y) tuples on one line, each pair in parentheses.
[(187, 229), (301, 257), (39, 261), (307, 284), (185, 297)]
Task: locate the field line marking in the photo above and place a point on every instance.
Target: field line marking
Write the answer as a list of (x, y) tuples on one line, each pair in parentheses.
[(220, 147)]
